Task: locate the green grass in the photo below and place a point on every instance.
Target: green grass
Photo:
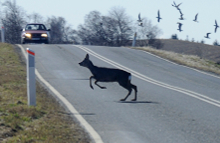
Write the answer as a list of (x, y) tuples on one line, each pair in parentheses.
[(21, 123)]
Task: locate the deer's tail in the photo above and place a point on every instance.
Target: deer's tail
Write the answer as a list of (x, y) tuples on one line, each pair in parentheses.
[(129, 77), (131, 85)]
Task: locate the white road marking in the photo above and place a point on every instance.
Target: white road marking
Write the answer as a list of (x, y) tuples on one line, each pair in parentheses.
[(93, 134), (148, 79)]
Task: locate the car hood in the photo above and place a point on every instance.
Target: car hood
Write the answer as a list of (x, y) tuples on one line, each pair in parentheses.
[(35, 31)]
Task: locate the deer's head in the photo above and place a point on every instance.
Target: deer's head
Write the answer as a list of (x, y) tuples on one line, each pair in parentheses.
[(86, 62)]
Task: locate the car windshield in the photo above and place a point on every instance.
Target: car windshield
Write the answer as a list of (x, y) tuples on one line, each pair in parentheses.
[(35, 27)]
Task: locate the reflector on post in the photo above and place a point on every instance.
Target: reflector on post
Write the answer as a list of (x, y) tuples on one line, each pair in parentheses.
[(31, 86)]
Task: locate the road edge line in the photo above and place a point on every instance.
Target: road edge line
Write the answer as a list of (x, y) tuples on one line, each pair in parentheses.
[(93, 134)]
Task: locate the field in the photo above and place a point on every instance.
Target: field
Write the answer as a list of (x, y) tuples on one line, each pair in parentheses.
[(46, 122), (196, 55), (203, 51)]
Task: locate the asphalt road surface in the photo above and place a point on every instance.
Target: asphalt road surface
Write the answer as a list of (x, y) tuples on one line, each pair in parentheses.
[(175, 104)]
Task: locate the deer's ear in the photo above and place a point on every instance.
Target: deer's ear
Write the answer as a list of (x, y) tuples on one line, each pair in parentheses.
[(87, 56)]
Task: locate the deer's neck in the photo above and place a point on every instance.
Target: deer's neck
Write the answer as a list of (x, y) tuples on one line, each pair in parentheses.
[(92, 68)]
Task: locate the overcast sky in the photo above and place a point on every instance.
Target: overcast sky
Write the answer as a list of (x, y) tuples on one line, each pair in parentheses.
[(74, 12)]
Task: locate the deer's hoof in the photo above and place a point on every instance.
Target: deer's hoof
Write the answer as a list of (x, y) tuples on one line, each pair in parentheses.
[(92, 87), (133, 99), (103, 87), (122, 100)]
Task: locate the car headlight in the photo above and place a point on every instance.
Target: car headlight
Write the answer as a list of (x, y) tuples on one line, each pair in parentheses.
[(28, 35), (44, 35)]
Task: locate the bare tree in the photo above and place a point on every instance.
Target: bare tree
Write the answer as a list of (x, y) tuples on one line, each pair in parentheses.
[(61, 32), (12, 20), (70, 35), (35, 18), (97, 29), (116, 29), (84, 34), (148, 31), (123, 25), (112, 30), (93, 23), (56, 25)]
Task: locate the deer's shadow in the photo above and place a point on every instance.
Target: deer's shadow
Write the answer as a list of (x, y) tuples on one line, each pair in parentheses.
[(138, 102)]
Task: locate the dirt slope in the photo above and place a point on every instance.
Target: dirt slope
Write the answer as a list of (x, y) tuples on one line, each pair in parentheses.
[(192, 48)]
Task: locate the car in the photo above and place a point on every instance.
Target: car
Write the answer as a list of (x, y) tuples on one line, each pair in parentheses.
[(35, 33)]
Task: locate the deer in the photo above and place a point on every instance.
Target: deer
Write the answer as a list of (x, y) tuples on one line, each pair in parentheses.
[(103, 74)]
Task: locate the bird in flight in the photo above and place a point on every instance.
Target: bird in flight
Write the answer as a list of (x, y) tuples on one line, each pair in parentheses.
[(140, 24), (158, 16), (196, 18), (179, 26), (139, 18), (176, 6), (207, 35), (216, 26), (181, 15)]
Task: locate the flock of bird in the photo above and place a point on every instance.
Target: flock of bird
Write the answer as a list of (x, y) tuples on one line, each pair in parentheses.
[(181, 18)]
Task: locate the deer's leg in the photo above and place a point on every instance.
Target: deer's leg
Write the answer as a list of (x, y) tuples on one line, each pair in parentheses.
[(135, 89), (126, 85), (90, 81), (129, 92), (99, 85)]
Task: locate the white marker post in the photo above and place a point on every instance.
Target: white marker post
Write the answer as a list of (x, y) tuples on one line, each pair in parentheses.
[(134, 40), (31, 86)]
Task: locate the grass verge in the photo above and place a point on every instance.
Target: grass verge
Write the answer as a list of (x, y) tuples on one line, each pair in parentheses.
[(186, 60), (46, 122)]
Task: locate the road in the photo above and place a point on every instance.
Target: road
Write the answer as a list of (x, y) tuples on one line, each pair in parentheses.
[(174, 104)]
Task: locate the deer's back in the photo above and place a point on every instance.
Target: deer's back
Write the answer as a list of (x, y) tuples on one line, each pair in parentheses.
[(109, 75)]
